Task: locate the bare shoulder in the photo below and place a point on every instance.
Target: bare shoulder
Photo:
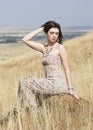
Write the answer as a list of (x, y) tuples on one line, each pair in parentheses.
[(61, 48), (63, 53)]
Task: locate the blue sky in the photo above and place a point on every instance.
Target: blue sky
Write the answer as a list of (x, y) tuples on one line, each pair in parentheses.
[(33, 13)]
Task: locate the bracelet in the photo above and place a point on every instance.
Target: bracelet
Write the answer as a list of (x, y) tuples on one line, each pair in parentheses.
[(70, 88)]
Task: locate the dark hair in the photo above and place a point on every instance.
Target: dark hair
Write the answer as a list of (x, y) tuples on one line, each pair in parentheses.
[(52, 24)]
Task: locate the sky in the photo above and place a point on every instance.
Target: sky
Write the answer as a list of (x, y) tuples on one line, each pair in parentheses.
[(33, 13)]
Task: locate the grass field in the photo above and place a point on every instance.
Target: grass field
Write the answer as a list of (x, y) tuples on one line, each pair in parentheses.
[(60, 112)]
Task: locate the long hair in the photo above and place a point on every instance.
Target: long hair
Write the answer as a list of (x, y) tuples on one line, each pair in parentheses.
[(52, 24)]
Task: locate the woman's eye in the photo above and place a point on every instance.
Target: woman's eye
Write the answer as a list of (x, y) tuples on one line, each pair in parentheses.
[(51, 32), (57, 33), (54, 32)]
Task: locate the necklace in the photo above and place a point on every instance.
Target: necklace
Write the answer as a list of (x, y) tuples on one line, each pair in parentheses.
[(48, 49)]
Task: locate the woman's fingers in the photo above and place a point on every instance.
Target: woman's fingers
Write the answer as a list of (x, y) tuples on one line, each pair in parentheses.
[(74, 95)]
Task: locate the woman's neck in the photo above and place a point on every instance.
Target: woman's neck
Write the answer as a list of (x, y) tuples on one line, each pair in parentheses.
[(51, 44)]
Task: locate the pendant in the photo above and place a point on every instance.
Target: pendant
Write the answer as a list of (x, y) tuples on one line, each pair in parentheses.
[(48, 49)]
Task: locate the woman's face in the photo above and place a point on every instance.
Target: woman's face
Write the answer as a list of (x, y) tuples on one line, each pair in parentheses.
[(52, 35)]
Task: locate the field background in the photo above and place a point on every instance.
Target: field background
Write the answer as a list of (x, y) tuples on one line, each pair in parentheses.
[(64, 113)]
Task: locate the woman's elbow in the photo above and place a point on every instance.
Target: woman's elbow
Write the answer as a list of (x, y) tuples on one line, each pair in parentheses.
[(24, 40)]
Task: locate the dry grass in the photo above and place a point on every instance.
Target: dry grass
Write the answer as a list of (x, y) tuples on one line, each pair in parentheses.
[(60, 112), (80, 52)]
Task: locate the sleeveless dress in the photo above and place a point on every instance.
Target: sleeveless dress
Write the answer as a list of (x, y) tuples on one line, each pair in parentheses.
[(53, 83)]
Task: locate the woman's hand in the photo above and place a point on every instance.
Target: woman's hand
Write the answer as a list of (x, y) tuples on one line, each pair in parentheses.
[(72, 93)]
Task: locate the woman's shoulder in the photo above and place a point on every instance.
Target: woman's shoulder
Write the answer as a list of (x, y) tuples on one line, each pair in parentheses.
[(61, 46), (61, 49)]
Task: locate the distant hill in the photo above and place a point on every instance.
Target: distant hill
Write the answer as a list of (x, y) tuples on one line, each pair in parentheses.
[(79, 27)]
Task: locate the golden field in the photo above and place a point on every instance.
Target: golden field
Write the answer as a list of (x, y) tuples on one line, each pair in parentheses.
[(59, 112)]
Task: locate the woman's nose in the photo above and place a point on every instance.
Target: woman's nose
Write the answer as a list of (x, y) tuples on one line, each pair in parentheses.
[(54, 34)]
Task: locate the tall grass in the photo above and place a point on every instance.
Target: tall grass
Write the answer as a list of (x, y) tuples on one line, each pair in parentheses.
[(59, 112)]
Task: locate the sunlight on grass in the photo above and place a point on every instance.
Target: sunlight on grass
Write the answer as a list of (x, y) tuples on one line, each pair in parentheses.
[(59, 112)]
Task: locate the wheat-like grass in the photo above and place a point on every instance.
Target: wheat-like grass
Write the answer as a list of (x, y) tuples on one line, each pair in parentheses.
[(60, 112)]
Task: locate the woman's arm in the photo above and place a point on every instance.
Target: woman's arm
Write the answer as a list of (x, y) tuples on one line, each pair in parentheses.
[(64, 58), (34, 45)]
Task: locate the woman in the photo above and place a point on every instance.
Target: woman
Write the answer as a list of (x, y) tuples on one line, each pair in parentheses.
[(54, 56)]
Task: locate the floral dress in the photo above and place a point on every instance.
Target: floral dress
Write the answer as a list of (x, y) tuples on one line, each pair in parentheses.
[(53, 83)]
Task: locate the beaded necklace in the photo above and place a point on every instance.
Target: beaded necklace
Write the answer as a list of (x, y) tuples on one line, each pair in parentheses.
[(48, 49)]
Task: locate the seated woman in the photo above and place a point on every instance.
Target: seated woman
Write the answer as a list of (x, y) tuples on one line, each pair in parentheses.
[(54, 57)]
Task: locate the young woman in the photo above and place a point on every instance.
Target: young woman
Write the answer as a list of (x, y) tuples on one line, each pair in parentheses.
[(54, 57)]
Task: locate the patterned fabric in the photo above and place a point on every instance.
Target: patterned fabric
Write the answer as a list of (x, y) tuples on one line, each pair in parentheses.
[(53, 83)]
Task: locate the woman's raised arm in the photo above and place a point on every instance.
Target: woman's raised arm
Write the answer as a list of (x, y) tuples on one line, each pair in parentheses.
[(34, 45)]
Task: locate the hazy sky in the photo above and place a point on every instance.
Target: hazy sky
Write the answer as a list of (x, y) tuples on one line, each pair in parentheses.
[(33, 13)]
